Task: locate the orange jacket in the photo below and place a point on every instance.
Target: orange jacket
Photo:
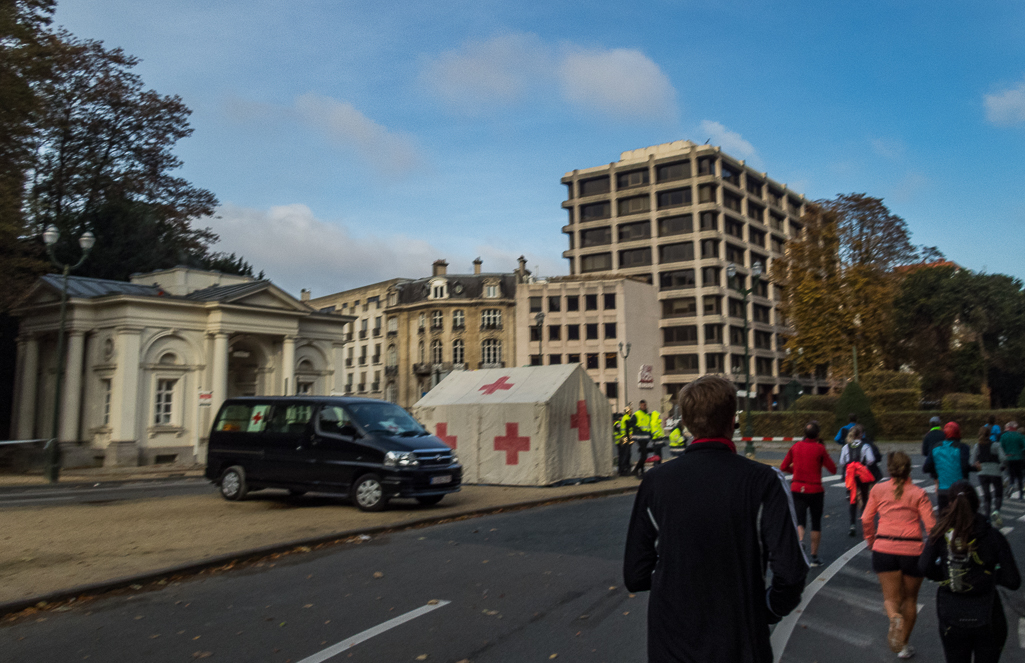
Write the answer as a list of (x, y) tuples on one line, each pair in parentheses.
[(854, 474)]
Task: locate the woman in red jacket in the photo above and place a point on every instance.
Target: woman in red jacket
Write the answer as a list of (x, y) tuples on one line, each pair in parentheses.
[(903, 508), (805, 460)]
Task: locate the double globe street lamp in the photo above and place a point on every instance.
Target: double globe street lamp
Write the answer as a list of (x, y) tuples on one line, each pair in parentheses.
[(86, 242), (756, 273)]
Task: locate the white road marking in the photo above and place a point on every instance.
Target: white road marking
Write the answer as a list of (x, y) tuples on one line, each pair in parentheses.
[(831, 477), (781, 634), (1022, 519), (334, 650), (930, 489), (1021, 632), (844, 635), (1006, 530)]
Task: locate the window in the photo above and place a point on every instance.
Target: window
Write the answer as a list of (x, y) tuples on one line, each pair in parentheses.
[(753, 186), (554, 359), (572, 332), (763, 340), (713, 333), (164, 402), (439, 290), (592, 360), (734, 227), (634, 205), (492, 291), (709, 276), (573, 359), (594, 186), (775, 197), (592, 331), (421, 353), (554, 332), (763, 366), (631, 231), (535, 333), (777, 244), (491, 351), (715, 362), (437, 320), (731, 174), (393, 325), (687, 335), (707, 193), (709, 248), (674, 198), (679, 307), (610, 330), (734, 254), (794, 205), (676, 364), (491, 318), (679, 170), (458, 351), (554, 304), (681, 278), (730, 201), (635, 258), (709, 221), (776, 222), (598, 262), (632, 179), (736, 333), (712, 305), (609, 301), (675, 225), (595, 237), (423, 321), (679, 252), (706, 166), (762, 288), (535, 304), (612, 390), (795, 230), (756, 237), (761, 313), (590, 302), (536, 360), (756, 212), (572, 303), (106, 386), (391, 357), (458, 319), (737, 364), (303, 388), (240, 417), (611, 360), (596, 211), (736, 308)]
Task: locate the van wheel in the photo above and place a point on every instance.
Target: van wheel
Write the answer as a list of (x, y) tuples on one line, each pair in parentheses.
[(368, 493), (233, 484), (429, 500)]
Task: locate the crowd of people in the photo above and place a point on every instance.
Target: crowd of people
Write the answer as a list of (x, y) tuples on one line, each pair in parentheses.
[(747, 508)]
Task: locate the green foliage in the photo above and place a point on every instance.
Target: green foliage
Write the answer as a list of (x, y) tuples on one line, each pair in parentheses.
[(816, 403), (969, 368), (883, 380), (1021, 399), (892, 426), (854, 401), (965, 402), (899, 400)]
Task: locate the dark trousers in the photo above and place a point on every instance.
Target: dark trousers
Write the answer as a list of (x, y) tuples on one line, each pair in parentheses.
[(996, 485), (863, 489), (1016, 470), (642, 446), (624, 458), (986, 642)]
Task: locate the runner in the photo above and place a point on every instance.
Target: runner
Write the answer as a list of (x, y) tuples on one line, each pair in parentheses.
[(855, 457), (989, 459), (805, 461)]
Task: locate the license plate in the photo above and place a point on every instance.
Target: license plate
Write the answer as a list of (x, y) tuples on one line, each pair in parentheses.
[(442, 479)]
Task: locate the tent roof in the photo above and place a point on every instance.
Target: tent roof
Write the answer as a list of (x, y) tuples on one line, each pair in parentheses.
[(528, 384)]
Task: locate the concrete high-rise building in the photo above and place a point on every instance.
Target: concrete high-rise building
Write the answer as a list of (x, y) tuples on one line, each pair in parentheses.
[(678, 215)]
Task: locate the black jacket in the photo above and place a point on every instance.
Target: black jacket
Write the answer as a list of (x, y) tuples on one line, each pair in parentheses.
[(931, 439), (992, 548), (704, 528)]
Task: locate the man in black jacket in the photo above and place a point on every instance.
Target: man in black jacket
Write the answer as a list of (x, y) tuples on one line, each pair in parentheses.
[(934, 436), (703, 530)]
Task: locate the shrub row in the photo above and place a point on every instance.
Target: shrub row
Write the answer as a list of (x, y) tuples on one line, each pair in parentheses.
[(895, 400), (965, 402), (893, 426)]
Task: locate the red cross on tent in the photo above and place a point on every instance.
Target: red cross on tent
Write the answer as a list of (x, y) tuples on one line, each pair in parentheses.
[(512, 444), (443, 435), (581, 421), (257, 417), (501, 383)]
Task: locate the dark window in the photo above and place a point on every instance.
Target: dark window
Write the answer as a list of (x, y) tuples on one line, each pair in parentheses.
[(795, 205), (681, 364), (687, 335), (572, 303), (715, 362), (594, 186), (601, 210), (632, 231), (713, 333), (612, 390), (554, 359), (674, 198), (611, 360), (795, 229), (777, 244), (734, 227), (709, 276), (675, 225), (676, 252), (763, 340), (736, 308), (535, 304), (681, 278), (573, 359), (535, 360), (535, 333), (595, 237), (709, 248), (572, 332), (737, 364), (709, 221), (754, 186), (736, 333), (706, 193), (679, 170), (554, 303), (592, 331), (598, 262), (610, 330), (761, 313), (592, 360), (731, 201), (634, 205), (775, 197), (680, 307), (756, 212), (712, 305), (706, 166), (569, 194), (635, 257), (776, 222), (762, 288), (731, 174), (632, 179), (734, 254), (610, 301), (554, 332), (763, 366), (756, 237), (590, 302)]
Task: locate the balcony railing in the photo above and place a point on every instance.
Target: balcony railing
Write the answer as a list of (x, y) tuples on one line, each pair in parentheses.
[(377, 332), (376, 359), (422, 369), (363, 361), (490, 325), (362, 389), (460, 366), (437, 328), (362, 334), (392, 333), (391, 371), (375, 386), (421, 329), (500, 364), (348, 362)]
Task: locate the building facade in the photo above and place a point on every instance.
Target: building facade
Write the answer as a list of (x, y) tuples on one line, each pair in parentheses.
[(677, 215), (609, 325), (148, 362)]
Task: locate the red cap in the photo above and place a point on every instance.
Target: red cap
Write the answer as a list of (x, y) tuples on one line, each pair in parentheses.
[(952, 430)]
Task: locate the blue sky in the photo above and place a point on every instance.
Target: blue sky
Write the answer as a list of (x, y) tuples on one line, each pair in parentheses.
[(350, 142)]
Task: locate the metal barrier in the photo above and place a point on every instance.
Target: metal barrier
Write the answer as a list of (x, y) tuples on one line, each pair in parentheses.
[(22, 455)]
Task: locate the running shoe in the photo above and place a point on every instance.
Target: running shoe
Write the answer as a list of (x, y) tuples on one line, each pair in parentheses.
[(853, 531), (907, 652), (895, 636), (815, 561), (996, 520)]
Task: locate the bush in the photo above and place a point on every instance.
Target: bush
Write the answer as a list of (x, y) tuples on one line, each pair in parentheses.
[(854, 401), (1021, 399), (913, 425), (899, 400), (880, 380), (789, 423), (965, 402), (815, 403)]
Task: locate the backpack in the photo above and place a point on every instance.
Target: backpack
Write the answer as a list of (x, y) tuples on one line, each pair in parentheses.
[(972, 589), (873, 467)]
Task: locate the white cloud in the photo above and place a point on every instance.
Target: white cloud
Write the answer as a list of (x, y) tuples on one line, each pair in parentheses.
[(730, 141), (910, 187), (1006, 107), (619, 82), (388, 151), (888, 149)]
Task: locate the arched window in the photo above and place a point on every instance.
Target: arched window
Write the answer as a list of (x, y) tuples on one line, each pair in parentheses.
[(169, 358), (458, 319), (392, 358), (305, 366), (436, 351), (458, 352), (421, 354), (491, 351)]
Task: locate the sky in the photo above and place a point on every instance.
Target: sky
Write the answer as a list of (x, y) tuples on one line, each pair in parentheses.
[(353, 142)]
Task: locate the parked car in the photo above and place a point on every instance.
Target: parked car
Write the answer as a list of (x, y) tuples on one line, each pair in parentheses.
[(368, 449)]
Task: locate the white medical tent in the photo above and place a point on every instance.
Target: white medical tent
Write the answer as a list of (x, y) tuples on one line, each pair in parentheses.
[(530, 426)]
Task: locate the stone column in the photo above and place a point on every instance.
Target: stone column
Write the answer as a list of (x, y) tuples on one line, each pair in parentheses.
[(288, 366), (28, 388), (219, 372), (124, 402), (71, 391)]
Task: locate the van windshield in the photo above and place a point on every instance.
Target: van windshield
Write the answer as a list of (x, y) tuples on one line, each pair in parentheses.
[(385, 418)]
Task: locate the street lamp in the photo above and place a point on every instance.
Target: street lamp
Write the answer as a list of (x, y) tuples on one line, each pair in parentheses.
[(756, 273), (86, 241), (540, 320), (624, 351)]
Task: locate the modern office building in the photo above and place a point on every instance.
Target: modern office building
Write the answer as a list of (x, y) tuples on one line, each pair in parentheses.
[(677, 216)]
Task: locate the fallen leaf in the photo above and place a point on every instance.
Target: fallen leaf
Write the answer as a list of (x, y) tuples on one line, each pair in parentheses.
[(378, 575), (422, 657), (554, 656), (433, 602), (203, 654), (197, 637), (626, 613), (584, 616), (308, 605), (154, 636), (137, 617), (612, 588)]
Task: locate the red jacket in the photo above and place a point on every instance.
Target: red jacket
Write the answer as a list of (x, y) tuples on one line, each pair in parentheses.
[(805, 460)]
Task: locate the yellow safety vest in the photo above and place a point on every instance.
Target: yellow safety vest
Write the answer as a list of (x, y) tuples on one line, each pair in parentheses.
[(676, 438), (624, 429)]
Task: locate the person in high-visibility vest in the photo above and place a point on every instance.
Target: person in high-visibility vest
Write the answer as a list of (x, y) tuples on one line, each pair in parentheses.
[(620, 428), (644, 427), (677, 441)]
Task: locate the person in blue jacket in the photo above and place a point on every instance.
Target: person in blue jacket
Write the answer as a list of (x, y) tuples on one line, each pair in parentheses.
[(948, 462), (841, 435)]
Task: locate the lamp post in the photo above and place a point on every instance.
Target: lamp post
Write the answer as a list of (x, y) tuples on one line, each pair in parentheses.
[(756, 273), (624, 352), (86, 242), (540, 320)]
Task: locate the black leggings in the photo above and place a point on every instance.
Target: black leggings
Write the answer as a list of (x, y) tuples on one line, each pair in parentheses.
[(642, 446), (1015, 472), (863, 488), (996, 485), (986, 642)]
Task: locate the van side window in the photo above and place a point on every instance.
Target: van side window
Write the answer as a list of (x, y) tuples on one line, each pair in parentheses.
[(243, 417), (290, 418), (333, 418)]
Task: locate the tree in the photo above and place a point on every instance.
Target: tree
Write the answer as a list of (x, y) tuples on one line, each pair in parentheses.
[(926, 313), (853, 400)]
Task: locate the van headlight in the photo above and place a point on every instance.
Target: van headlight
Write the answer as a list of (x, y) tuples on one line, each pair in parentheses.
[(400, 459)]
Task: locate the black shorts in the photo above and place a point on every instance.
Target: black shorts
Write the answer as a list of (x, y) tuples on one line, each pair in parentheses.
[(804, 502), (906, 564)]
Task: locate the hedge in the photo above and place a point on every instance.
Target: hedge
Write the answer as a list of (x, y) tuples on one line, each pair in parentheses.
[(895, 400), (893, 426), (886, 380), (965, 402), (815, 403)]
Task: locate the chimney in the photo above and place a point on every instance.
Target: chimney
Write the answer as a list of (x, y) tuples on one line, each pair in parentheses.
[(476, 265), (304, 295), (440, 268), (521, 271)]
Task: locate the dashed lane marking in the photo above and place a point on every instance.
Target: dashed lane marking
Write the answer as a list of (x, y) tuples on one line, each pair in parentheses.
[(1006, 530), (1021, 632), (334, 650), (831, 477), (833, 631)]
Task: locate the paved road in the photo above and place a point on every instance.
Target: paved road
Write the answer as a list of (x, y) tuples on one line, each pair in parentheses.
[(510, 587), (35, 496)]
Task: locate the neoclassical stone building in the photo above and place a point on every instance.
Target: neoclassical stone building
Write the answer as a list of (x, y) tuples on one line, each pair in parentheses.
[(149, 361)]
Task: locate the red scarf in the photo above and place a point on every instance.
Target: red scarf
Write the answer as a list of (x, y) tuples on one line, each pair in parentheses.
[(722, 440)]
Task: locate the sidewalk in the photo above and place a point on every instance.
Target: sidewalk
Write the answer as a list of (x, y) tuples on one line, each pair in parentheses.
[(93, 475)]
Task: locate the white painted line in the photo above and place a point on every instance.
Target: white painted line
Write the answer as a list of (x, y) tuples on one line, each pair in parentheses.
[(831, 477), (930, 489), (781, 634), (334, 650), (1022, 519), (1006, 530), (1021, 632)]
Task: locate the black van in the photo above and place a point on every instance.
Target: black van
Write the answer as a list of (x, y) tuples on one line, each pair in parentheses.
[(369, 449)]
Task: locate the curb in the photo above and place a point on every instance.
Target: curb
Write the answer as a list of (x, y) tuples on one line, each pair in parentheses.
[(90, 483), (192, 568)]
